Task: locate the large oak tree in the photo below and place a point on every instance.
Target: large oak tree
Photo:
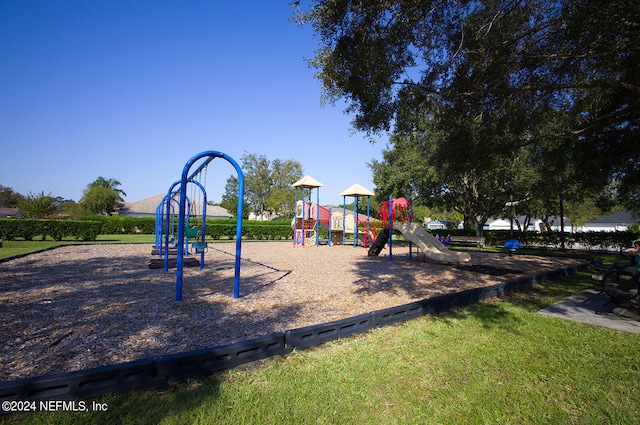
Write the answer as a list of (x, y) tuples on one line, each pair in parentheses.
[(557, 78)]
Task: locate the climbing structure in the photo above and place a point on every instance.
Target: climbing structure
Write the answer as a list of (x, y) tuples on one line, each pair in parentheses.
[(361, 225), (308, 214), (393, 210), (396, 215)]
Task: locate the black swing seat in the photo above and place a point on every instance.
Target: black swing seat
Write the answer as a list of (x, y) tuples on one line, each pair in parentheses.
[(158, 263)]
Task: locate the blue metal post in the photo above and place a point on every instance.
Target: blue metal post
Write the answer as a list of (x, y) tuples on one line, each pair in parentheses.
[(368, 216), (390, 228), (204, 221), (295, 214), (344, 220), (236, 278), (167, 226), (204, 226), (330, 225), (317, 226), (411, 221), (158, 227), (355, 221), (187, 220)]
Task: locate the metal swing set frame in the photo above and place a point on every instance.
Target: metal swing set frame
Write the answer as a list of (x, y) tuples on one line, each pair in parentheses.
[(200, 246)]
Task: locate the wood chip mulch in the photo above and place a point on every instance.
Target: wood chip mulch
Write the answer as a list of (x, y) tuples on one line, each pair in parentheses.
[(78, 307)]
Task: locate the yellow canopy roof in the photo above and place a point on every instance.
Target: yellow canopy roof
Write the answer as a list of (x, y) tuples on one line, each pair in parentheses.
[(357, 190), (307, 182)]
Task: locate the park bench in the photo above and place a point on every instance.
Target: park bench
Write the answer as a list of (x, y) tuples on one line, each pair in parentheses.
[(477, 241), (624, 290)]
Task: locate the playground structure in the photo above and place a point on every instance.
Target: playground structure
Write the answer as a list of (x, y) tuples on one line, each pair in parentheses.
[(374, 234), (310, 216), (177, 202), (396, 214), (308, 219)]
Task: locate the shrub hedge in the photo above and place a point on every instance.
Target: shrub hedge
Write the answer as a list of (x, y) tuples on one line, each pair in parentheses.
[(112, 225), (55, 229), (579, 240), (88, 228), (216, 228), (254, 230)]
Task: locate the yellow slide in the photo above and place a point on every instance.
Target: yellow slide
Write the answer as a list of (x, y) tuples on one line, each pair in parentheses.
[(432, 248)]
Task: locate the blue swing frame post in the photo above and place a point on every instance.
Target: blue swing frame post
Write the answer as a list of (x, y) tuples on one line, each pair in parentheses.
[(171, 193), (210, 155), (158, 228), (203, 233), (163, 249), (165, 213)]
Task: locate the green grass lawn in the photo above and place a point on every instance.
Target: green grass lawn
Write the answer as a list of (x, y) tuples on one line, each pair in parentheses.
[(21, 247), (495, 362)]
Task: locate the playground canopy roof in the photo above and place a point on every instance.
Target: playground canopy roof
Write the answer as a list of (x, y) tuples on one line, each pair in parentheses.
[(357, 190), (307, 182)]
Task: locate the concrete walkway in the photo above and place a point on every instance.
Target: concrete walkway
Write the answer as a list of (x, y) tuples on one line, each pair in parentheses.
[(594, 308)]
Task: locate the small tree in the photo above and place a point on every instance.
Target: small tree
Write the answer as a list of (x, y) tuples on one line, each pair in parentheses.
[(38, 206), (73, 209), (102, 196), (230, 198), (9, 198), (281, 198), (267, 185)]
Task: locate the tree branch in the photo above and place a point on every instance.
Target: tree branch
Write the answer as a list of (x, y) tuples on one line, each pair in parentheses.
[(600, 84)]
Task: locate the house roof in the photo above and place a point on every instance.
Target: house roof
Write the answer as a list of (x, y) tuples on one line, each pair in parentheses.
[(150, 205), (622, 217), (9, 212)]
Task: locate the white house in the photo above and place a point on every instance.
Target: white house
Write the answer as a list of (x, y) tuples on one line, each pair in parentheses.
[(612, 223), (499, 224), (619, 221), (265, 216), (434, 224)]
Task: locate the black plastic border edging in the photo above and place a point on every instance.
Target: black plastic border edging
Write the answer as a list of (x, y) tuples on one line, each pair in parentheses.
[(148, 373), (310, 336), (84, 383), (204, 362)]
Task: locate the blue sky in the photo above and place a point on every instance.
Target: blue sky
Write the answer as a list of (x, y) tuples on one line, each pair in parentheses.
[(131, 90)]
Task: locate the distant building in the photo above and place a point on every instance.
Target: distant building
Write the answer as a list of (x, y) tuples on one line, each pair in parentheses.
[(434, 224), (265, 216), (148, 207), (535, 225), (617, 222), (499, 224), (6, 212)]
